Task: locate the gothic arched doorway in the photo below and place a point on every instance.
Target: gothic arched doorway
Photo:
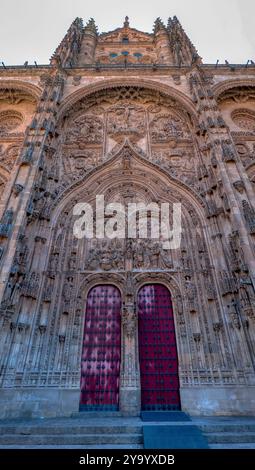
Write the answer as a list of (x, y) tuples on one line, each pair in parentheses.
[(157, 349), (100, 364)]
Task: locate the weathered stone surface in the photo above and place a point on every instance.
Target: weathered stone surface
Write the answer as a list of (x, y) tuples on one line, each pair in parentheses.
[(139, 131)]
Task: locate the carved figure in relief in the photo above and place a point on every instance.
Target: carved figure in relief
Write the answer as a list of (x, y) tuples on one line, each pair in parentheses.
[(68, 290), (191, 294), (53, 263), (87, 129), (129, 320), (247, 294), (164, 128), (72, 261), (126, 120)]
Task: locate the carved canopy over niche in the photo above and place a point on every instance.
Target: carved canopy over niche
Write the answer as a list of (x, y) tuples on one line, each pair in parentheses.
[(245, 119), (9, 121)]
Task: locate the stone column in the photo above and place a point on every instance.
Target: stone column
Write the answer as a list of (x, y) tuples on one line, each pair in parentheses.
[(130, 394)]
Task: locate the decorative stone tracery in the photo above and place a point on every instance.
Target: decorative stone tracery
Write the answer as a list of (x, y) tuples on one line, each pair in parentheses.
[(134, 138)]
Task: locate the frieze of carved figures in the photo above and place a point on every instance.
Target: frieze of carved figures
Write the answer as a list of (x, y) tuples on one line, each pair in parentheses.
[(85, 129), (110, 255), (129, 320), (126, 120), (150, 254), (105, 255), (167, 127)]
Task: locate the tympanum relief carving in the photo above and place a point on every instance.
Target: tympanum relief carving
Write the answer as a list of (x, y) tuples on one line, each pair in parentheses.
[(99, 126)]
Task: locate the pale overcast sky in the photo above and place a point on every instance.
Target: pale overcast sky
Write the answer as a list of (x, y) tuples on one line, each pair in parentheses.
[(220, 29)]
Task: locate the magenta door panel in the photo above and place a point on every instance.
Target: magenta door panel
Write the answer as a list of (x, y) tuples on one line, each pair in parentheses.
[(100, 365), (157, 349)]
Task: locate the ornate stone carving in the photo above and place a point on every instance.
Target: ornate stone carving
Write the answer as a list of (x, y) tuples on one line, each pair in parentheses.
[(228, 154), (9, 121), (247, 294), (233, 314), (245, 119), (126, 120), (27, 156), (30, 285), (168, 127), (129, 320), (105, 255), (227, 283), (6, 223), (191, 295), (249, 215), (85, 129), (239, 186), (17, 189), (217, 327)]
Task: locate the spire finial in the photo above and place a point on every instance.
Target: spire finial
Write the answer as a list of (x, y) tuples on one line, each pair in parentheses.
[(158, 24), (126, 22)]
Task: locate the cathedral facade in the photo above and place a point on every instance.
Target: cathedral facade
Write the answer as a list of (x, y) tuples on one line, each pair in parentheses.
[(121, 324)]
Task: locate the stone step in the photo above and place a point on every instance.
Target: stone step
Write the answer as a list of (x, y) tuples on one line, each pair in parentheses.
[(69, 429), (77, 439), (97, 414), (102, 446), (230, 438), (218, 428), (232, 446)]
